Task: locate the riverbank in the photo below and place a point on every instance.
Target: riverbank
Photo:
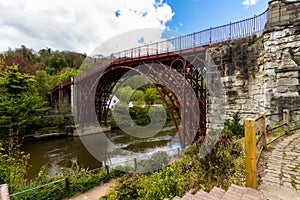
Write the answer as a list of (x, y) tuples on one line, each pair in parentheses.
[(68, 131)]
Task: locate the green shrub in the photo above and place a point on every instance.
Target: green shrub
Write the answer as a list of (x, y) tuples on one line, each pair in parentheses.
[(221, 167), (233, 125), (13, 163), (157, 161), (78, 179)]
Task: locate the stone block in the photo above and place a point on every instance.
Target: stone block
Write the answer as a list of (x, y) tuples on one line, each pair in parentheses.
[(285, 17), (273, 49), (282, 89), (292, 74), (238, 83), (240, 101), (287, 81), (270, 70), (276, 35)]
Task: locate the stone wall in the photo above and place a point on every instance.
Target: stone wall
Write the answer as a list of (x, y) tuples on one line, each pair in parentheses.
[(260, 73), (240, 63), (282, 56)]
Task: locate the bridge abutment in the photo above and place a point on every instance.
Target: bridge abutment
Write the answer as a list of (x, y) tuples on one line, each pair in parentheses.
[(261, 73)]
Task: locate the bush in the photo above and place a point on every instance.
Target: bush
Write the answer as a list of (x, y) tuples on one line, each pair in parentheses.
[(233, 125), (13, 163), (221, 167), (157, 161), (69, 182)]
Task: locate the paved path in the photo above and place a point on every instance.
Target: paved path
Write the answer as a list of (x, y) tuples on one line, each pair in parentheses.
[(93, 194), (282, 174)]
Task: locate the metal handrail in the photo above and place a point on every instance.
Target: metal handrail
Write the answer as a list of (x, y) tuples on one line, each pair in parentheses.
[(222, 33), (239, 29), (177, 150)]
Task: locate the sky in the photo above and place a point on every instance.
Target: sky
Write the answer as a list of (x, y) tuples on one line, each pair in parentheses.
[(83, 25)]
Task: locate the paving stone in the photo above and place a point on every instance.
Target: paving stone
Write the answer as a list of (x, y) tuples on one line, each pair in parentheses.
[(287, 184)]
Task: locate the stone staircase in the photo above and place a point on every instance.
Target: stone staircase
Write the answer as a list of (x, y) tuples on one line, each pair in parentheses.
[(234, 192)]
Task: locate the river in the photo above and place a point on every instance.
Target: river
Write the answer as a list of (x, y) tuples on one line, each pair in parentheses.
[(115, 147)]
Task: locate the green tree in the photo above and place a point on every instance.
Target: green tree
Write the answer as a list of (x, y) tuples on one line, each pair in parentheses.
[(67, 73), (43, 83), (151, 95), (74, 59), (233, 125), (124, 94), (138, 95), (56, 63), (21, 105)]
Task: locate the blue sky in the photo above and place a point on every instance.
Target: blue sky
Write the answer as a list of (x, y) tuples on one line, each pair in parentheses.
[(82, 25), (195, 15)]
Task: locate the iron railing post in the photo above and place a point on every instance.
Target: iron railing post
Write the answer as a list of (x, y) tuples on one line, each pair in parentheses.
[(210, 35), (135, 164), (230, 30), (194, 38), (139, 51), (107, 171), (254, 24), (179, 43), (67, 181)]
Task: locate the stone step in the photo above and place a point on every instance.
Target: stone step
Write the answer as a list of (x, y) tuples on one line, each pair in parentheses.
[(216, 193), (234, 192)]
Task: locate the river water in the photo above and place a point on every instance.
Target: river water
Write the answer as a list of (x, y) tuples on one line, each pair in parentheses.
[(113, 148)]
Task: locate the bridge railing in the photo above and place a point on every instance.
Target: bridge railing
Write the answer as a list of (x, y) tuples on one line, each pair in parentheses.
[(229, 31), (226, 32)]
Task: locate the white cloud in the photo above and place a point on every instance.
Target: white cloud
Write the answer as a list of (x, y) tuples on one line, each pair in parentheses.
[(249, 2), (76, 25)]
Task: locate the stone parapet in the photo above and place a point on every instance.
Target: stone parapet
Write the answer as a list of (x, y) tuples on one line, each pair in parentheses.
[(283, 13)]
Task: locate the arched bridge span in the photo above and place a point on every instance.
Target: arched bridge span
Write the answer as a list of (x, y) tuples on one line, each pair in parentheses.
[(185, 54), (162, 72)]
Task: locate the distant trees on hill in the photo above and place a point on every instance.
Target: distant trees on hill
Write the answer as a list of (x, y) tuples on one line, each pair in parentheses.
[(26, 78)]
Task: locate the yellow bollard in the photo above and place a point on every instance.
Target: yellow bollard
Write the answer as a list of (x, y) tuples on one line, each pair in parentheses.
[(250, 148)]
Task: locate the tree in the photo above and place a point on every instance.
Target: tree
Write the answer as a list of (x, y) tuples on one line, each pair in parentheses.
[(67, 73), (74, 59), (43, 83), (233, 125), (124, 94), (21, 105), (151, 95), (56, 63), (23, 57), (138, 95)]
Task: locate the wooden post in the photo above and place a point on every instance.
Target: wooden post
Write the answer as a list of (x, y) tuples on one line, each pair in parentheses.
[(286, 120), (250, 148), (263, 130), (4, 193)]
